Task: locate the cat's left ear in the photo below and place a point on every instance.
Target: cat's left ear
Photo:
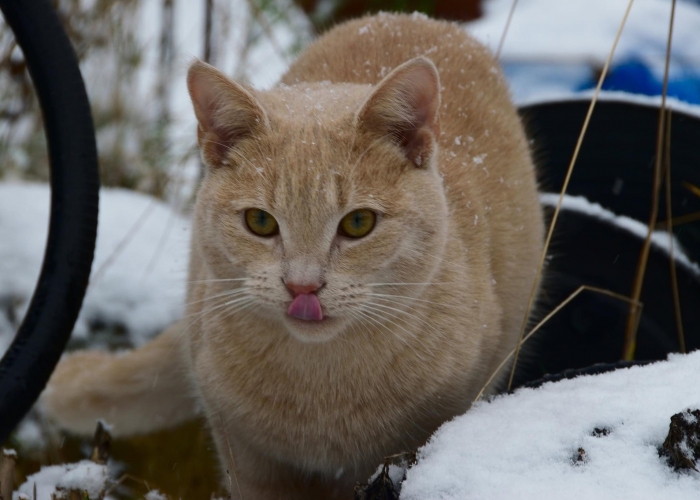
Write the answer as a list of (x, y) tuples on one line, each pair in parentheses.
[(404, 106)]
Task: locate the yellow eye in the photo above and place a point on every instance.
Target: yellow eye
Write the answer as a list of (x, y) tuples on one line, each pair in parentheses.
[(261, 222), (357, 223)]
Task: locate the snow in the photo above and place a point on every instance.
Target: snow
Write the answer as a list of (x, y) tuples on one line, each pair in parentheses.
[(138, 277), (659, 238), (584, 30), (552, 46), (526, 445), (155, 495), (84, 476), (608, 95)]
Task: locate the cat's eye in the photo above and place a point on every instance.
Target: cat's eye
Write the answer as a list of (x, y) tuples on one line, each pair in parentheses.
[(261, 222), (357, 223)]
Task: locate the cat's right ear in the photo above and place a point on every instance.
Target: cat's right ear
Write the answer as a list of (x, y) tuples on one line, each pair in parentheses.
[(225, 110)]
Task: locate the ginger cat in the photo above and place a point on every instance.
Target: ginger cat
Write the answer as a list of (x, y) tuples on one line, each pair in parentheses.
[(364, 245)]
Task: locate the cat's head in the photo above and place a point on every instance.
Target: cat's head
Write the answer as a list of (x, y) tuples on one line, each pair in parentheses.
[(322, 203)]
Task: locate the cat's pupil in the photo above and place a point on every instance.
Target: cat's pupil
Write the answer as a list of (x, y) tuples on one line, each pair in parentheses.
[(357, 220), (262, 218)]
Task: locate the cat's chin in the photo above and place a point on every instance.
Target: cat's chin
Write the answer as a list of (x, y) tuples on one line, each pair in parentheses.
[(313, 332)]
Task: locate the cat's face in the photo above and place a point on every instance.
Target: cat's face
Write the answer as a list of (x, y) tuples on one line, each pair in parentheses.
[(326, 212)]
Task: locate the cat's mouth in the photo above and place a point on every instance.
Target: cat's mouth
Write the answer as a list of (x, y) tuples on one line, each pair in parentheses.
[(306, 306)]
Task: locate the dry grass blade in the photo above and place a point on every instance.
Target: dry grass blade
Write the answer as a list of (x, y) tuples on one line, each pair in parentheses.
[(669, 230), (679, 221), (233, 464), (123, 242), (260, 17), (544, 320), (630, 344), (505, 29), (7, 474), (569, 171), (125, 477)]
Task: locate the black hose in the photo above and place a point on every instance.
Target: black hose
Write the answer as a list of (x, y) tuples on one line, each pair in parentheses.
[(37, 347)]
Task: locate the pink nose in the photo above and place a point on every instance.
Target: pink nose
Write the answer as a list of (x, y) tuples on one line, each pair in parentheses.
[(298, 288)]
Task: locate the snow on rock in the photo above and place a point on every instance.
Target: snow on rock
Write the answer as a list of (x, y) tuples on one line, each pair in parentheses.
[(543, 444), (138, 276), (84, 476)]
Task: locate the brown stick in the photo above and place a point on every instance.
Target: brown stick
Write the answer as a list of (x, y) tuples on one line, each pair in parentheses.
[(7, 474)]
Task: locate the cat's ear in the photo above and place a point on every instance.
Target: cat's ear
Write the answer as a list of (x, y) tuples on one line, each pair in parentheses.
[(404, 106), (225, 110)]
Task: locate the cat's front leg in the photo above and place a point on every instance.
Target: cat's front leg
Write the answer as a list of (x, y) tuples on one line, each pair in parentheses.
[(250, 474)]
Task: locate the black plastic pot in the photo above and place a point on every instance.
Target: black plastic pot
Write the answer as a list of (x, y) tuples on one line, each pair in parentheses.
[(37, 347), (614, 170)]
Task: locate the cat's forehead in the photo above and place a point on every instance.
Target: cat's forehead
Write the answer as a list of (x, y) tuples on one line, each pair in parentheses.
[(320, 103)]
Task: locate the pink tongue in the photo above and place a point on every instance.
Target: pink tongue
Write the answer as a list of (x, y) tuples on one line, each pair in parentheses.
[(306, 306)]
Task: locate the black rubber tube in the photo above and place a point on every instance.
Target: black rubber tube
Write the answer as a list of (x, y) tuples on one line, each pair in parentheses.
[(40, 340)]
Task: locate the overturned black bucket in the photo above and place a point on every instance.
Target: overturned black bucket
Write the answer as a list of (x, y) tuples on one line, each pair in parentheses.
[(614, 170)]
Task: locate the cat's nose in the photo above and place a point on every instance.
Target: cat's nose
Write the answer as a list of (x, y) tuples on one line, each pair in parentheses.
[(298, 288)]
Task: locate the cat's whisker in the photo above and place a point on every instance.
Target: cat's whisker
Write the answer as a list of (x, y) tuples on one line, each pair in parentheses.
[(218, 301), (384, 309), (455, 264), (218, 280), (410, 284), (240, 307), (229, 293), (376, 305), (387, 296), (197, 316), (381, 316)]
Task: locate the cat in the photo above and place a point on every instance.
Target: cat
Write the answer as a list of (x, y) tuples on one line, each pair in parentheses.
[(365, 242)]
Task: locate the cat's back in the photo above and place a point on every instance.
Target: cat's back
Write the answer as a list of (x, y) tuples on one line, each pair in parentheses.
[(365, 50)]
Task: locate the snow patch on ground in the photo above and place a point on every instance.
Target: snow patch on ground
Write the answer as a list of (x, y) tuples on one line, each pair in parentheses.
[(84, 476), (526, 445), (137, 286)]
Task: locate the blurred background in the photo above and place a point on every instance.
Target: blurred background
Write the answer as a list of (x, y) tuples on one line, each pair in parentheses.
[(134, 55)]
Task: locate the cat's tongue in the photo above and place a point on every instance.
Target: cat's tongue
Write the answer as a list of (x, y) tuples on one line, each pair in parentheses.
[(306, 306)]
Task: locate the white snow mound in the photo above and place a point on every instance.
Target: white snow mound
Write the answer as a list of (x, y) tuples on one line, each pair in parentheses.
[(525, 445)]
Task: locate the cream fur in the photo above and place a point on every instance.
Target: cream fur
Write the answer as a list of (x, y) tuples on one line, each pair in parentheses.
[(400, 114)]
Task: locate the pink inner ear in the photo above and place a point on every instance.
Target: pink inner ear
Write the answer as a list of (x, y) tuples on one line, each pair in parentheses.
[(406, 105)]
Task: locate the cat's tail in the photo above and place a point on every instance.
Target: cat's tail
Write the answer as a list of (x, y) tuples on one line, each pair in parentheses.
[(135, 392)]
